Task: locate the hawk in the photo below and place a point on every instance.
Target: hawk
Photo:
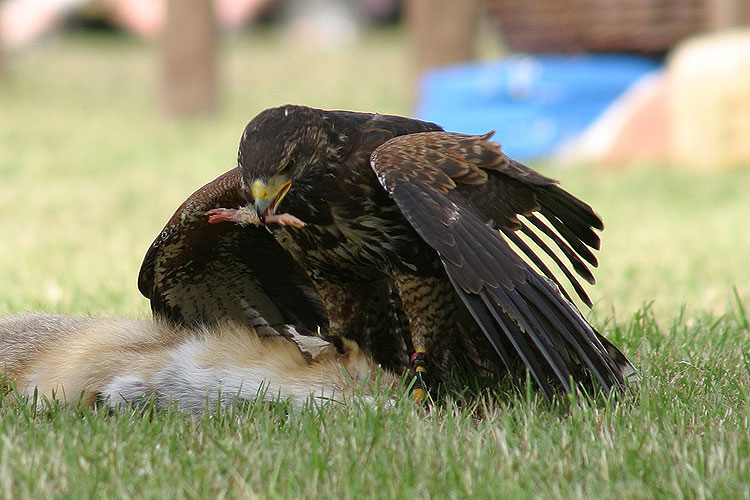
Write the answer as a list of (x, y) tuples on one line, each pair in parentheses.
[(421, 244)]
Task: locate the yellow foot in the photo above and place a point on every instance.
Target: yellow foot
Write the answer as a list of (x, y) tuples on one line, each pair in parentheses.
[(418, 394), (418, 361)]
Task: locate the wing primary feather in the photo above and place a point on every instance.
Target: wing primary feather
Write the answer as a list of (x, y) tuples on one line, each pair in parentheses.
[(489, 316), (566, 202), (576, 333), (579, 266), (540, 336), (580, 249), (534, 258), (519, 342), (624, 368), (569, 275), (585, 349), (486, 323), (554, 209)]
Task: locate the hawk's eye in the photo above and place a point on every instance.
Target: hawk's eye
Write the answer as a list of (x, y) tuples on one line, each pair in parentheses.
[(287, 166)]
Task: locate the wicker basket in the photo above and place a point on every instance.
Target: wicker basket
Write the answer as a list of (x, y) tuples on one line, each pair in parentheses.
[(641, 26)]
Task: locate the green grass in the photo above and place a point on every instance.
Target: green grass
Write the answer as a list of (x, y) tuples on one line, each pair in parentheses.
[(89, 173)]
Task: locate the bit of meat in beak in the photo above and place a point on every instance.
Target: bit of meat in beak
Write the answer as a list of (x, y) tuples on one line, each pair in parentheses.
[(246, 216)]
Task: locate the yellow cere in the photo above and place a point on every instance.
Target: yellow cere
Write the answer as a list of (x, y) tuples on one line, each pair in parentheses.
[(259, 190)]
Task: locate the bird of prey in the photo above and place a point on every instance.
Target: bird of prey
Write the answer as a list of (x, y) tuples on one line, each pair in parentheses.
[(420, 244)]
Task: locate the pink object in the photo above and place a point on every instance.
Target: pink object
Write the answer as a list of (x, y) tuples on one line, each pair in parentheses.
[(146, 17), (23, 21), (634, 128)]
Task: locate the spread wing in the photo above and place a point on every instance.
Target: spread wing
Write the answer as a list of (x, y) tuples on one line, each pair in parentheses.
[(511, 197), (197, 272), (455, 190)]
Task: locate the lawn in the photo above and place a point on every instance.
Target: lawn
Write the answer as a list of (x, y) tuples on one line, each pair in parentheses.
[(89, 173)]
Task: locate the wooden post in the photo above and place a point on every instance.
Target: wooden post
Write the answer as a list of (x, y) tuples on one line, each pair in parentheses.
[(442, 32), (189, 57)]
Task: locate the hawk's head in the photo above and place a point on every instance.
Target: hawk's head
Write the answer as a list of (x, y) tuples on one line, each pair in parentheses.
[(281, 152)]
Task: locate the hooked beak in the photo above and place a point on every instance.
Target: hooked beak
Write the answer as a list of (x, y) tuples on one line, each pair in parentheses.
[(268, 196)]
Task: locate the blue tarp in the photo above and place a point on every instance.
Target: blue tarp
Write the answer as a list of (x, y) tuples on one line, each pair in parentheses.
[(535, 103)]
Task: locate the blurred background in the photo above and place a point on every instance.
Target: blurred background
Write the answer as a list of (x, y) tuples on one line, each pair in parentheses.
[(113, 111)]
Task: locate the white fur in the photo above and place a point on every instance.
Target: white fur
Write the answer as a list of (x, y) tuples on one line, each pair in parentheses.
[(128, 361)]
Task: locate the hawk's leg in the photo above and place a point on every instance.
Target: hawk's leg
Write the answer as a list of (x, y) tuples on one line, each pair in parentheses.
[(369, 313), (430, 308)]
